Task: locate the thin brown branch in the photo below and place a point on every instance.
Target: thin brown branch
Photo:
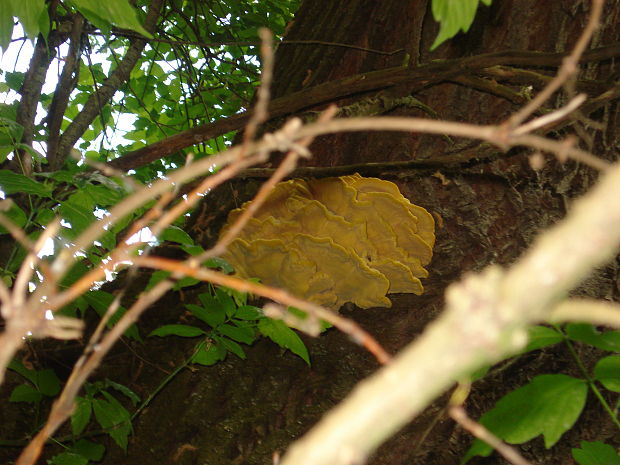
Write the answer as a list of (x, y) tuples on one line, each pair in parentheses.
[(332, 91), (260, 112), (66, 84), (551, 117), (246, 43), (30, 93)]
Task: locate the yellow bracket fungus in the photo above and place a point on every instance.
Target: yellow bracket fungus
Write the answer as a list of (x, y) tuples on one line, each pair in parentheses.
[(336, 240)]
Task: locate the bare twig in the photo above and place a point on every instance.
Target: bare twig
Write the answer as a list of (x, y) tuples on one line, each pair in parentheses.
[(569, 68), (596, 312), (260, 113), (550, 117), (459, 415)]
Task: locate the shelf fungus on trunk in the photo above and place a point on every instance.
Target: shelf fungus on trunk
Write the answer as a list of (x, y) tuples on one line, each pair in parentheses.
[(336, 240)]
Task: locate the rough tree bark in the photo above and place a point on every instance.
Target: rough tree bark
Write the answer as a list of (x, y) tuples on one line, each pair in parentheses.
[(488, 210)]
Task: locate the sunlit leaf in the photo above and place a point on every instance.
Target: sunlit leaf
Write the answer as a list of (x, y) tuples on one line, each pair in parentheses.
[(454, 16), (111, 12)]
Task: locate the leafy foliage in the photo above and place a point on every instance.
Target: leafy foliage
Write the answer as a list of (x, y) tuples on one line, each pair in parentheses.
[(232, 322)]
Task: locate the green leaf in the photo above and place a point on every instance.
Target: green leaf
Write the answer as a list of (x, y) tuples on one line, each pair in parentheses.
[(211, 311), (177, 330), (132, 396), (582, 332), (6, 24), (30, 15), (115, 12), (12, 183), (248, 312), (239, 297), (157, 277), (175, 234), (542, 336), (91, 450), (185, 282), (68, 458), (548, 405), (595, 453), (607, 371), (25, 393), (78, 210), (18, 367), (114, 418), (10, 132), (209, 355), (81, 415), (44, 217), (47, 382), (454, 16), (226, 302), (16, 215), (104, 195), (217, 262), (101, 301), (284, 336), (238, 333), (233, 347)]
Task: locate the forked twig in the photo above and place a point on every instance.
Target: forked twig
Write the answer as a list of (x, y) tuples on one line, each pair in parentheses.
[(569, 68)]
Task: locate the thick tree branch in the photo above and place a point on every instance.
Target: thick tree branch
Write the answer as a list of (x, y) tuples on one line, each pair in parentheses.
[(328, 92), (30, 94), (107, 90), (66, 84)]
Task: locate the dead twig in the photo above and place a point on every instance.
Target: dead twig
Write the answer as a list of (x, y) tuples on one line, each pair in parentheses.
[(567, 70)]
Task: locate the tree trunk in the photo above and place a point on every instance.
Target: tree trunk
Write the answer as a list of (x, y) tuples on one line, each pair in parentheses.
[(488, 204)]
